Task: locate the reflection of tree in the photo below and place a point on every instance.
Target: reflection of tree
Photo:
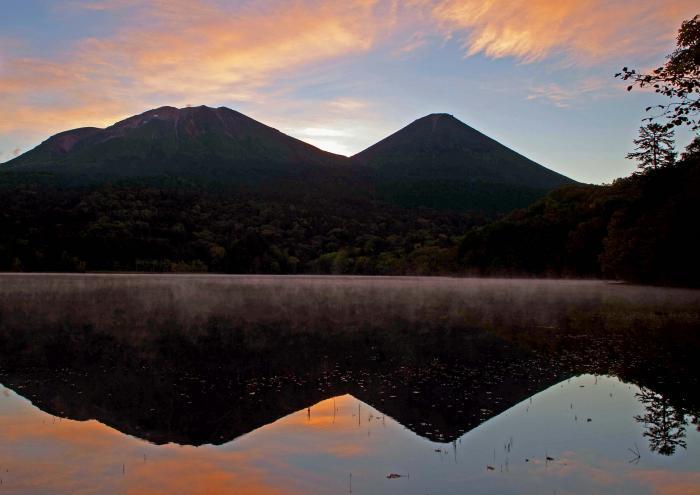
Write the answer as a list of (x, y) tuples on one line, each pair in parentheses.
[(665, 426)]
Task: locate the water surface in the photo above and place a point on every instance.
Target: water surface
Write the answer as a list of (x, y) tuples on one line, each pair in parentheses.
[(137, 384)]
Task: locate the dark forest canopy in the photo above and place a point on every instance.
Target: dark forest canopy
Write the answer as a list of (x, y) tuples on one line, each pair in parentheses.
[(642, 228), (181, 227)]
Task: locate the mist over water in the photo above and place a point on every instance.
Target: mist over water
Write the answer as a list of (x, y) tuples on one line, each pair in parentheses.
[(286, 384), (139, 301)]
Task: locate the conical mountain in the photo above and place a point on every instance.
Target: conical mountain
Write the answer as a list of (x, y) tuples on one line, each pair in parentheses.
[(208, 143), (439, 161)]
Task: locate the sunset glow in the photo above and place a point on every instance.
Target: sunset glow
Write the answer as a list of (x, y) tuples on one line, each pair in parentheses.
[(536, 75)]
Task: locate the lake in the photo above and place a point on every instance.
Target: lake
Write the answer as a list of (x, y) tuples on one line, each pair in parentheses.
[(290, 385)]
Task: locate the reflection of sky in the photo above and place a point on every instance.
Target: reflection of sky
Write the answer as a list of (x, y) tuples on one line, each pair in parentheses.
[(534, 74), (316, 451)]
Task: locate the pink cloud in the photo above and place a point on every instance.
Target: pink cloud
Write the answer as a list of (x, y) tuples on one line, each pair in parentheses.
[(583, 31), (180, 52)]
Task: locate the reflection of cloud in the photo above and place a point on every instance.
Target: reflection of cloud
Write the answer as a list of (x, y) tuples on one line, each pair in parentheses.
[(48, 455), (587, 31), (670, 483), (201, 476), (615, 476)]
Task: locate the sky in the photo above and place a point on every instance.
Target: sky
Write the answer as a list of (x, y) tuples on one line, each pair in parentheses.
[(536, 75)]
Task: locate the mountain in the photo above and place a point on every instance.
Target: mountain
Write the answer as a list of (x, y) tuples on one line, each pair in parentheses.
[(439, 161), (214, 144), (436, 162)]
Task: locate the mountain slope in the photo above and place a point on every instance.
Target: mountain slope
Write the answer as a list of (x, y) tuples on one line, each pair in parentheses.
[(439, 161), (207, 143), (436, 162)]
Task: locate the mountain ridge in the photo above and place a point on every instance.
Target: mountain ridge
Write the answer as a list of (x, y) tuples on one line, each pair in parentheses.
[(436, 161), (177, 130)]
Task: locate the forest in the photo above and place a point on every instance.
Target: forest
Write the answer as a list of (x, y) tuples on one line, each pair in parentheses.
[(642, 228), (181, 228)]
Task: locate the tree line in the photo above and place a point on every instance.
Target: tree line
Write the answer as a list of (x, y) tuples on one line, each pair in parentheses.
[(150, 228)]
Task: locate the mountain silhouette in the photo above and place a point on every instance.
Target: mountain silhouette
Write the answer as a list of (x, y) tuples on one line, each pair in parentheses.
[(215, 144), (440, 161), (437, 161)]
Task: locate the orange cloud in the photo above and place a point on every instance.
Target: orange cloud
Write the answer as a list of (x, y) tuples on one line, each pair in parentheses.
[(179, 52), (584, 31)]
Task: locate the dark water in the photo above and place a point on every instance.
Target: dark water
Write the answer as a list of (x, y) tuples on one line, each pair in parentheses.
[(287, 385)]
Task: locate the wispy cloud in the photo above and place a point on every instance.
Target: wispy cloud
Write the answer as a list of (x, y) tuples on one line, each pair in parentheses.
[(180, 52), (581, 31), (574, 94)]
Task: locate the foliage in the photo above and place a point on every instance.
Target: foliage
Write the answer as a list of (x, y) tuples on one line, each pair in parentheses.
[(642, 228), (664, 425), (181, 228), (678, 79), (654, 147)]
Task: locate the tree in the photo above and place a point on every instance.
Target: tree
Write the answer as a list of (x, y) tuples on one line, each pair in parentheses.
[(664, 425), (654, 147), (678, 79), (692, 151)]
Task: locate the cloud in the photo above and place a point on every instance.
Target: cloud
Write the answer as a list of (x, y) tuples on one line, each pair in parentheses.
[(178, 52), (573, 95), (15, 152), (581, 31), (416, 41), (342, 125), (255, 56)]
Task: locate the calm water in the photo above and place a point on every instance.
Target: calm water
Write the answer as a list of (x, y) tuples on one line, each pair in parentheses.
[(286, 385)]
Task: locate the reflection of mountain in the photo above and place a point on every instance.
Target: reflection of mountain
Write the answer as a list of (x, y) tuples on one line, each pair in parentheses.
[(442, 390), (197, 360), (445, 387)]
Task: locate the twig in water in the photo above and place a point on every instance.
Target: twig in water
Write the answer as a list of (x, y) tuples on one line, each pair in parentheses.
[(636, 453)]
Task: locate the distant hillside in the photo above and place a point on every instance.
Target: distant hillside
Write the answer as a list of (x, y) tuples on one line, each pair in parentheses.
[(438, 161)]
